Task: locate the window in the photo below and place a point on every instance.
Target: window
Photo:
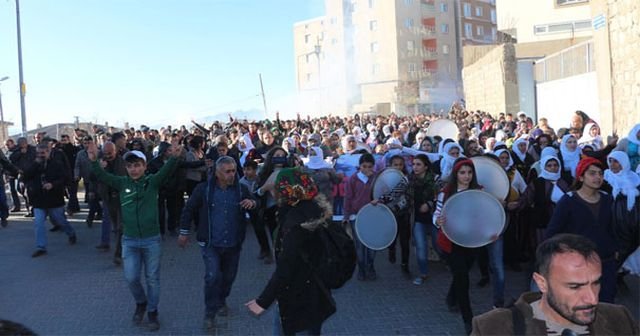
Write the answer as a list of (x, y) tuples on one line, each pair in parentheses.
[(494, 34), (444, 28), (375, 47), (373, 25), (412, 67), (562, 27), (408, 2), (569, 2), (307, 37), (444, 7), (307, 57), (479, 11), (375, 69), (480, 31), (411, 45), (372, 3), (445, 49), (493, 16), (408, 23), (466, 8), (468, 30)]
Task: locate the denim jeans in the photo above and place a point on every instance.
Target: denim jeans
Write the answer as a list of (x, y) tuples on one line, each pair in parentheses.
[(221, 267), (366, 256), (277, 326), (496, 265), (420, 231), (139, 252), (57, 216)]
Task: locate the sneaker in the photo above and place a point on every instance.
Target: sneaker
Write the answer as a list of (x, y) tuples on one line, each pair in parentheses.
[(224, 311), (103, 247), (153, 323), (420, 280), (139, 314), (209, 323), (73, 239), (4, 222), (38, 253)]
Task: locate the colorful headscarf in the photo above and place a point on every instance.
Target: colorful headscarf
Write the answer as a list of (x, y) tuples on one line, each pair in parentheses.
[(293, 186)]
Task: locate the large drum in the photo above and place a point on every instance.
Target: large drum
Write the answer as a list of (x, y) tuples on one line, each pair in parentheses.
[(492, 177), (386, 181), (474, 218), (376, 226), (445, 128)]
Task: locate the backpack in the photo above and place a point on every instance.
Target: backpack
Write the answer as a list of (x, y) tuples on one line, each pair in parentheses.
[(338, 256)]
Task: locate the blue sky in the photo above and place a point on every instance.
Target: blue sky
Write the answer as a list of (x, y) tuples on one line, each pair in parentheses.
[(148, 61)]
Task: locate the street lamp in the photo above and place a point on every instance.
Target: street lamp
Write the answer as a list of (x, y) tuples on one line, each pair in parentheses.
[(3, 135), (23, 112)]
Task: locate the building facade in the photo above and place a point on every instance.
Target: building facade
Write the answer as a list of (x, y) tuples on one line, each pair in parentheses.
[(400, 56)]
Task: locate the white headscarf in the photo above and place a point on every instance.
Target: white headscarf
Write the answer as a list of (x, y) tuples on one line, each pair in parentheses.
[(248, 146), (357, 133), (516, 149), (446, 163), (316, 159), (625, 181), (386, 130), (587, 139), (633, 135), (549, 150), (500, 151), (569, 158), (547, 175), (441, 145)]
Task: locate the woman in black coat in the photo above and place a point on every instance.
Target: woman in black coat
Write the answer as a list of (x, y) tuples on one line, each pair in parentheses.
[(303, 303)]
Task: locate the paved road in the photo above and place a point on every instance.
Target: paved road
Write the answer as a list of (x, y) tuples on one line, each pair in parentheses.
[(76, 290)]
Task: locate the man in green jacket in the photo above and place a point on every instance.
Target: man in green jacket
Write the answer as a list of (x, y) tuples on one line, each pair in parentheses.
[(141, 242)]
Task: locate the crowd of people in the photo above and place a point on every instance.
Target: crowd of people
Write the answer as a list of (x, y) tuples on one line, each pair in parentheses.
[(287, 178)]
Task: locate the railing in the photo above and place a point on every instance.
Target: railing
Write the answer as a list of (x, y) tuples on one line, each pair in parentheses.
[(429, 52), (573, 61)]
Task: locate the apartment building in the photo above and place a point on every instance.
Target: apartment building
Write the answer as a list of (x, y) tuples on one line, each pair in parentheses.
[(399, 56), (544, 20)]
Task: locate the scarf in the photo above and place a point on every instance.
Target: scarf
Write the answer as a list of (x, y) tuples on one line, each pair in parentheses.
[(500, 151), (587, 139), (633, 135), (362, 177), (625, 181), (570, 158), (547, 175), (516, 150), (248, 146), (316, 160), (446, 163)]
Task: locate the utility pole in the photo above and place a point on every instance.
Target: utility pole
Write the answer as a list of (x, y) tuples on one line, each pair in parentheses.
[(264, 99), (23, 88)]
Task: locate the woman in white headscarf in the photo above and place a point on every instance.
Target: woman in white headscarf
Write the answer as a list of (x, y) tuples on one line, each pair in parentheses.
[(631, 146), (591, 136), (569, 157), (625, 189), (542, 194), (322, 173), (522, 160), (450, 153), (245, 146)]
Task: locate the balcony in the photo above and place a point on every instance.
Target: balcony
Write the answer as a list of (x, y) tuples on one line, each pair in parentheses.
[(428, 31), (429, 52), (428, 9)]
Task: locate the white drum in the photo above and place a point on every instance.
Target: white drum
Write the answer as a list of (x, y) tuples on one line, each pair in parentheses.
[(474, 218), (376, 226)]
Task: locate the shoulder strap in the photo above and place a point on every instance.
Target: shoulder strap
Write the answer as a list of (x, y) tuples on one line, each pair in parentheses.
[(518, 321)]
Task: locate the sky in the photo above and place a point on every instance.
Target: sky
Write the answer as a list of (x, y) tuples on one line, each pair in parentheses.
[(149, 62)]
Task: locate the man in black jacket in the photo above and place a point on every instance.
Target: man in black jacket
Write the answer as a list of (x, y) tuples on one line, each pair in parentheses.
[(46, 181), (220, 203), (22, 158)]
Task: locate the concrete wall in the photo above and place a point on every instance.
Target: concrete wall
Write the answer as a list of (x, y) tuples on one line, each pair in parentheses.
[(491, 84), (558, 99)]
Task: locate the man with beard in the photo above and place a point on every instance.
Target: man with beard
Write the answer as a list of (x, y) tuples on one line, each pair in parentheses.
[(568, 275)]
